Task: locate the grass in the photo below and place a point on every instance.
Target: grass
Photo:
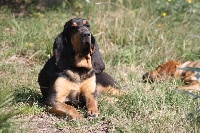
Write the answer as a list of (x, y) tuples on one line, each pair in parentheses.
[(133, 37)]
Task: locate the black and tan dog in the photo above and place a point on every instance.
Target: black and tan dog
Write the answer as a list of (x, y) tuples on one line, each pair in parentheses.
[(171, 69), (72, 74)]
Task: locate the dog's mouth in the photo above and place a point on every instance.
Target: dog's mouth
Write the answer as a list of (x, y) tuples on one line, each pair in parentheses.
[(86, 48)]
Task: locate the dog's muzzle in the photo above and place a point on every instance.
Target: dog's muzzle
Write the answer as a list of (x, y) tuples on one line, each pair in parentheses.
[(86, 38), (147, 77)]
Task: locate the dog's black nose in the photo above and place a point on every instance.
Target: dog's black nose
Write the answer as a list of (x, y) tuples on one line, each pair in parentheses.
[(86, 34)]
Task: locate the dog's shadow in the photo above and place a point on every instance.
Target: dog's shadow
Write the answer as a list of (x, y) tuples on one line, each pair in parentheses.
[(31, 96), (28, 95)]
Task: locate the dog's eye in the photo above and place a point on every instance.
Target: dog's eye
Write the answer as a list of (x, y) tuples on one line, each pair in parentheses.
[(75, 28), (74, 24), (87, 25)]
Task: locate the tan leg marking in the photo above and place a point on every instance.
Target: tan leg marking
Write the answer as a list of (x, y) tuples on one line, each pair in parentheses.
[(63, 88), (88, 88)]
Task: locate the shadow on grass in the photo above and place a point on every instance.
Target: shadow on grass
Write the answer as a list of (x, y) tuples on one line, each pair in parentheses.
[(28, 95)]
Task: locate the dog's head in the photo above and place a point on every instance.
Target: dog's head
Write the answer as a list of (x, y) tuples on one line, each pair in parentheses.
[(162, 72), (77, 31), (76, 47)]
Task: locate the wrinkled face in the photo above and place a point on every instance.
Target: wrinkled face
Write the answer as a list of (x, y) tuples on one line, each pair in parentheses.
[(162, 72), (80, 36)]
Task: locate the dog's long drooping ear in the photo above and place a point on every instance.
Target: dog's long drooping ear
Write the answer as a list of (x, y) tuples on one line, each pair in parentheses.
[(62, 52), (97, 62)]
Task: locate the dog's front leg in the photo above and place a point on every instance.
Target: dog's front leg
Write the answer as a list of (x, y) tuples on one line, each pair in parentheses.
[(88, 90), (65, 110), (57, 96)]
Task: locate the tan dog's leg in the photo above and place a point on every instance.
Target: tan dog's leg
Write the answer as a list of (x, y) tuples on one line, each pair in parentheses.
[(194, 86), (88, 90), (190, 78), (63, 88)]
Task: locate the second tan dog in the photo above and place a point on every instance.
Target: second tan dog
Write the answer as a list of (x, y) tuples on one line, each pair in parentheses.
[(170, 69)]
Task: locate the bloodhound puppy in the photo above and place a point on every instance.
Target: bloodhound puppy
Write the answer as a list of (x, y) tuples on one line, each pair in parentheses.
[(71, 76), (171, 69)]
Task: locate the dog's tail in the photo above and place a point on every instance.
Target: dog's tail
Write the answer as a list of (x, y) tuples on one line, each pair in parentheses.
[(106, 84)]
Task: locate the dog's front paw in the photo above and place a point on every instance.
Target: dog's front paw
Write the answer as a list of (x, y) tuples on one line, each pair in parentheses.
[(93, 113), (76, 116)]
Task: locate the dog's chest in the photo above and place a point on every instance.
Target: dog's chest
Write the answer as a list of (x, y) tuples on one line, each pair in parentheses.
[(75, 83), (78, 76)]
